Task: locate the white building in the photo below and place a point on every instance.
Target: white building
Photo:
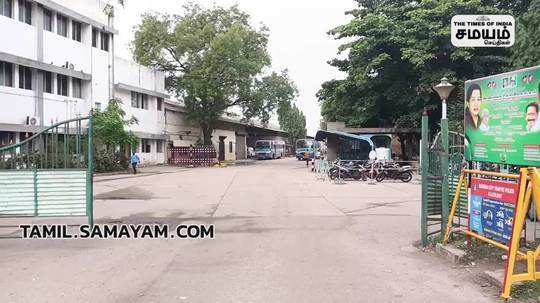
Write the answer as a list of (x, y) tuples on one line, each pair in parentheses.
[(142, 92), (230, 138), (57, 62)]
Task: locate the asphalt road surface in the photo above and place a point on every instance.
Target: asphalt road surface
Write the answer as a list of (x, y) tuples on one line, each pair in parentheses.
[(280, 236)]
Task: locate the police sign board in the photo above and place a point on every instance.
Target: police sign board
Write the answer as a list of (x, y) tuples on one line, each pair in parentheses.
[(483, 30)]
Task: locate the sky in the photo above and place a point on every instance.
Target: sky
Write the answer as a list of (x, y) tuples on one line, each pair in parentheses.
[(298, 38)]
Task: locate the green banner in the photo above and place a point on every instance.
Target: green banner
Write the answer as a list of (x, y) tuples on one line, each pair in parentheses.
[(502, 121)]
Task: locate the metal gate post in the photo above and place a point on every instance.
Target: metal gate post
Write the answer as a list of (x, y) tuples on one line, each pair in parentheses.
[(445, 199), (90, 173), (424, 170), (36, 205)]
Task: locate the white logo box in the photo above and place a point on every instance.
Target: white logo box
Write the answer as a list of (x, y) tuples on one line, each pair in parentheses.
[(483, 30)]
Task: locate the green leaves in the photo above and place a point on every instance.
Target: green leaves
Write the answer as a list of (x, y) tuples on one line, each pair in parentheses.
[(526, 51), (214, 60), (109, 127), (401, 49)]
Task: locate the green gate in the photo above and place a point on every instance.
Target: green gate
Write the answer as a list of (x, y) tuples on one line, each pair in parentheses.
[(50, 174), (440, 168)]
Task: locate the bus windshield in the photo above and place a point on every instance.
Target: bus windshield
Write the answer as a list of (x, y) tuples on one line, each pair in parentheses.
[(304, 143), (262, 144)]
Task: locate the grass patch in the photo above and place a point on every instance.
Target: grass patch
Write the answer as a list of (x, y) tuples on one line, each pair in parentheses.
[(528, 291)]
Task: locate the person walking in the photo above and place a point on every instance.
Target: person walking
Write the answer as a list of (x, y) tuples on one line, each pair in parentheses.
[(134, 161)]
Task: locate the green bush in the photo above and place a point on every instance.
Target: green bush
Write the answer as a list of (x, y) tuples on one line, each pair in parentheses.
[(106, 161)]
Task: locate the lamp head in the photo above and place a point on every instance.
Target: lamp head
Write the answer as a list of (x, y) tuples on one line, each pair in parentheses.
[(444, 88)]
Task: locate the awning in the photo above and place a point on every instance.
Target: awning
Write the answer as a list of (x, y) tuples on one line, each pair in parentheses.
[(144, 135), (140, 90), (323, 134)]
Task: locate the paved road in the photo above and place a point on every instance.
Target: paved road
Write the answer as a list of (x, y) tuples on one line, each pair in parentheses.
[(281, 236)]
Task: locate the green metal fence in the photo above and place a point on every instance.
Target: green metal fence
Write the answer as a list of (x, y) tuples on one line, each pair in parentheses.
[(442, 161), (50, 173)]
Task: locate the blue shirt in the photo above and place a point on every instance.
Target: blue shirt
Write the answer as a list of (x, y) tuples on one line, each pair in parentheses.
[(135, 159)]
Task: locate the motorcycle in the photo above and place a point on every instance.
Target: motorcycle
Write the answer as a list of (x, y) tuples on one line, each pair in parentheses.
[(394, 171), (347, 170)]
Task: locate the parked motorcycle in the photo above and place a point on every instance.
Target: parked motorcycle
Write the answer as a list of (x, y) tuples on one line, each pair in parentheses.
[(394, 171), (347, 170)]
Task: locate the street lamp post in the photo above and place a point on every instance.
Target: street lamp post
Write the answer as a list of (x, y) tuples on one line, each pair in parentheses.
[(444, 89)]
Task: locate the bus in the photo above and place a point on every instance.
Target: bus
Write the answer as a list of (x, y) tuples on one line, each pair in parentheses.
[(269, 149), (307, 149)]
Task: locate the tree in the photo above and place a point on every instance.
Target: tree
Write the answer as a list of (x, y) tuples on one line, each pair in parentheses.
[(399, 50), (293, 121), (526, 51), (214, 60), (109, 127), (108, 10), (111, 138)]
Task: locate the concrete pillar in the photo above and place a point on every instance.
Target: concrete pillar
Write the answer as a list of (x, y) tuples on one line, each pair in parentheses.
[(37, 19), (15, 9)]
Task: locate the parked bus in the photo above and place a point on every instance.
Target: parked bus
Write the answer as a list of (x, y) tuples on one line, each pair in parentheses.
[(268, 149), (279, 149), (307, 149)]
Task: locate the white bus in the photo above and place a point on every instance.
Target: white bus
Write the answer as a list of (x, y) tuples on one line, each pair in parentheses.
[(268, 149)]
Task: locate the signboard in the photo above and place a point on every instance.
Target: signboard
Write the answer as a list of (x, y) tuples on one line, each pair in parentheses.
[(492, 208), (483, 30), (502, 122)]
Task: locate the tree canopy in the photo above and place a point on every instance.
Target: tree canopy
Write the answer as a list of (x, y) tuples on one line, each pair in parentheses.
[(109, 127), (526, 51), (397, 50), (214, 60)]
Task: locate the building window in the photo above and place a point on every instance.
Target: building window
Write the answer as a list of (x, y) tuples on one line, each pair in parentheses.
[(47, 82), (47, 20), (7, 138), (62, 85), (95, 34), (145, 146), (159, 103), (105, 41), (144, 103), (134, 100), (61, 25), (98, 106), (230, 147), (25, 77), (6, 74), (76, 31), (159, 146), (5, 8), (77, 87), (25, 11), (139, 100)]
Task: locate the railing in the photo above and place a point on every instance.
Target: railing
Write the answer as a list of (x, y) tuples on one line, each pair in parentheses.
[(61, 145), (192, 155), (50, 173)]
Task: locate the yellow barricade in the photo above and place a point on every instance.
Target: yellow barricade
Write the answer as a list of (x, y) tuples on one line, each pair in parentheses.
[(529, 191)]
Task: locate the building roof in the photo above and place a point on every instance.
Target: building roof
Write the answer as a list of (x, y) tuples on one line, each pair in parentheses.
[(381, 130), (176, 106)]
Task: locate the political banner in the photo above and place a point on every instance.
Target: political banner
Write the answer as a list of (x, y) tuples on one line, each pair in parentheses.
[(501, 118)]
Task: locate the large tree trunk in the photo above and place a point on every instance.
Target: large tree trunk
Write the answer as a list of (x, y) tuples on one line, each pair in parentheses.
[(207, 133)]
